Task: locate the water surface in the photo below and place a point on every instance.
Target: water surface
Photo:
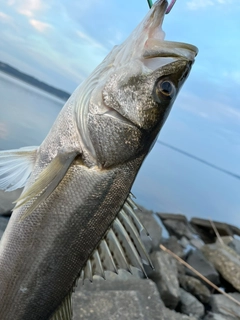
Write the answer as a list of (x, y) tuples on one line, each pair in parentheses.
[(26, 113)]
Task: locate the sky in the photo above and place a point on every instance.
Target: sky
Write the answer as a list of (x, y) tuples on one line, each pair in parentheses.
[(61, 42)]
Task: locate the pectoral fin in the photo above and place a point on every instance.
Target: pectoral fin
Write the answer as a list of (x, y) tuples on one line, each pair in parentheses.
[(46, 182), (16, 167)]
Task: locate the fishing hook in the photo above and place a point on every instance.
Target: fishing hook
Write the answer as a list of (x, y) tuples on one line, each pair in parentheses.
[(169, 8)]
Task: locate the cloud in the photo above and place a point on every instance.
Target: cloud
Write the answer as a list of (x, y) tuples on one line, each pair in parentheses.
[(210, 108), (27, 7), (5, 18), (90, 41), (40, 26), (198, 4)]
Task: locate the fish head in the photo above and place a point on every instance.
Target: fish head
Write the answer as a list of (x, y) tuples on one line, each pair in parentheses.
[(134, 90)]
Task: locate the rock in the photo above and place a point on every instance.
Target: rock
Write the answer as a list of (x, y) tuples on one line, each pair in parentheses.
[(198, 261), (176, 225), (196, 243), (184, 242), (232, 243), (123, 275), (222, 305), (173, 245), (3, 224), (181, 268), (165, 277), (122, 300), (6, 200), (195, 287), (235, 230), (235, 245), (226, 239), (217, 316), (190, 305), (153, 228), (205, 230), (226, 261), (173, 315)]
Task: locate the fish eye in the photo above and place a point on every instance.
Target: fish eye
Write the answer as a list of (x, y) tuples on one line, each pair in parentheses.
[(165, 89)]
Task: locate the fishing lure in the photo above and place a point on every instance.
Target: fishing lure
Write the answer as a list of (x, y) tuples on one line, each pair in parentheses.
[(169, 8)]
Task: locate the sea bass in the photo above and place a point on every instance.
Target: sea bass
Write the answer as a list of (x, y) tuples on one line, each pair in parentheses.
[(75, 216)]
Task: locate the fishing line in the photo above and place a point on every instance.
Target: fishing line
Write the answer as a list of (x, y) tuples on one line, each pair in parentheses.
[(169, 8), (187, 154)]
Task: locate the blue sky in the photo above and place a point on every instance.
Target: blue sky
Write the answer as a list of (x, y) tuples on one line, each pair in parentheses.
[(61, 42)]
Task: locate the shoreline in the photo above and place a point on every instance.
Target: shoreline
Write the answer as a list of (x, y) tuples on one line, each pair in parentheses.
[(15, 73)]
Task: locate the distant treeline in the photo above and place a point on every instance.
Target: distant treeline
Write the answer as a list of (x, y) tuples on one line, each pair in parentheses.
[(33, 81)]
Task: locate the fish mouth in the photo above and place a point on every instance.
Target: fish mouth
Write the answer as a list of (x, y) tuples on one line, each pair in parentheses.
[(147, 40), (160, 53), (153, 44), (146, 43), (169, 49)]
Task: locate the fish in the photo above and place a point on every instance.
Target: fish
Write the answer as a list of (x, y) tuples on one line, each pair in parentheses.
[(76, 216)]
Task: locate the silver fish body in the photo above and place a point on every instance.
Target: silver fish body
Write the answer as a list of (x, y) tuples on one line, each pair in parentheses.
[(81, 175), (39, 270)]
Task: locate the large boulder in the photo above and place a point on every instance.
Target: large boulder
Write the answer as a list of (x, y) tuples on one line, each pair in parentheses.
[(165, 276), (225, 260), (190, 305), (177, 225), (125, 300), (199, 262), (195, 287), (206, 232), (224, 306), (173, 245)]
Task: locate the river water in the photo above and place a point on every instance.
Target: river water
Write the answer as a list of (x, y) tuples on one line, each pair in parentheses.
[(167, 182)]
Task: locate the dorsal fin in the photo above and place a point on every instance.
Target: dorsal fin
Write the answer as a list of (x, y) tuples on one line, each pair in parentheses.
[(121, 247), (16, 167), (64, 312)]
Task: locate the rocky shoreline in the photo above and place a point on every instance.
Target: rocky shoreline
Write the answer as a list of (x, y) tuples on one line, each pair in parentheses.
[(172, 291)]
